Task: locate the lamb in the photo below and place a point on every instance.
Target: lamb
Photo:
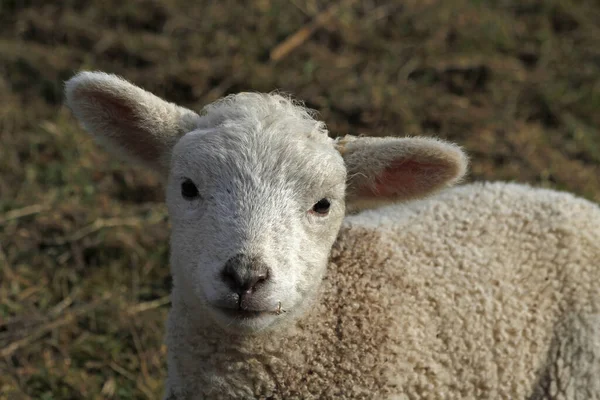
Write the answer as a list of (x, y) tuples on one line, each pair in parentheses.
[(311, 268)]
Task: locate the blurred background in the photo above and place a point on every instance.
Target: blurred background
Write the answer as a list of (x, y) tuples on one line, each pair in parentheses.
[(84, 277)]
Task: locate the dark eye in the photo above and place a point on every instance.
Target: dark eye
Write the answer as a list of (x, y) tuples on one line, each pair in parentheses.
[(321, 207), (189, 191)]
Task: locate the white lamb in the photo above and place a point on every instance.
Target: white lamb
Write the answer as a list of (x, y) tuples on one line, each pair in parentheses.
[(485, 291)]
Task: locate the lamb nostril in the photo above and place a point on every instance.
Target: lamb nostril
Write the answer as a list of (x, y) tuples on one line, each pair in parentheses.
[(230, 278), (251, 282), (254, 282)]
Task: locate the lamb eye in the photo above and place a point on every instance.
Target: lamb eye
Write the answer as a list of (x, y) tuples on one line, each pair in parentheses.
[(321, 207), (189, 191)]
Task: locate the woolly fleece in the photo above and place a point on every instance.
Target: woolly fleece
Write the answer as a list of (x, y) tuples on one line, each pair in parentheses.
[(486, 291)]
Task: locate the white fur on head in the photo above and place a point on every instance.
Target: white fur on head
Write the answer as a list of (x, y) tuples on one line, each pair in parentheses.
[(256, 165), (127, 119), (260, 163)]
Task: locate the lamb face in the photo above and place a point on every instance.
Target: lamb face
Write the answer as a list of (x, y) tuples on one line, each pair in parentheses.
[(256, 190), (255, 205)]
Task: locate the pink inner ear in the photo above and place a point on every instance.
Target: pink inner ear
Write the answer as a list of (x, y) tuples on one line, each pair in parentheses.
[(122, 117), (405, 178)]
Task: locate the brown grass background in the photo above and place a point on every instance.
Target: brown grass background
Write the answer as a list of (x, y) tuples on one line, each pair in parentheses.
[(84, 278)]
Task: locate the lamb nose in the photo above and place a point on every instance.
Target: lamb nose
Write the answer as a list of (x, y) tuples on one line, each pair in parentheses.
[(244, 274)]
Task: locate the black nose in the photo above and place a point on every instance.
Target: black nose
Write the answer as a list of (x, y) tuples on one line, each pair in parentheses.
[(245, 274)]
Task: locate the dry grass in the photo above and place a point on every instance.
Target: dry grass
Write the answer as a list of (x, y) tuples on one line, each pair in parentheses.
[(83, 239)]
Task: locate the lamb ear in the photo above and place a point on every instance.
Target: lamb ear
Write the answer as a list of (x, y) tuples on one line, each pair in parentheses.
[(384, 170), (128, 120)]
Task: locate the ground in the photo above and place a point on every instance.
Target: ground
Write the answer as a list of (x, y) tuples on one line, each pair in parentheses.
[(84, 277)]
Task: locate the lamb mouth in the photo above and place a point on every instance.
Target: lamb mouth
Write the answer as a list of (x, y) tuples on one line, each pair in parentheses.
[(249, 314), (238, 312)]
